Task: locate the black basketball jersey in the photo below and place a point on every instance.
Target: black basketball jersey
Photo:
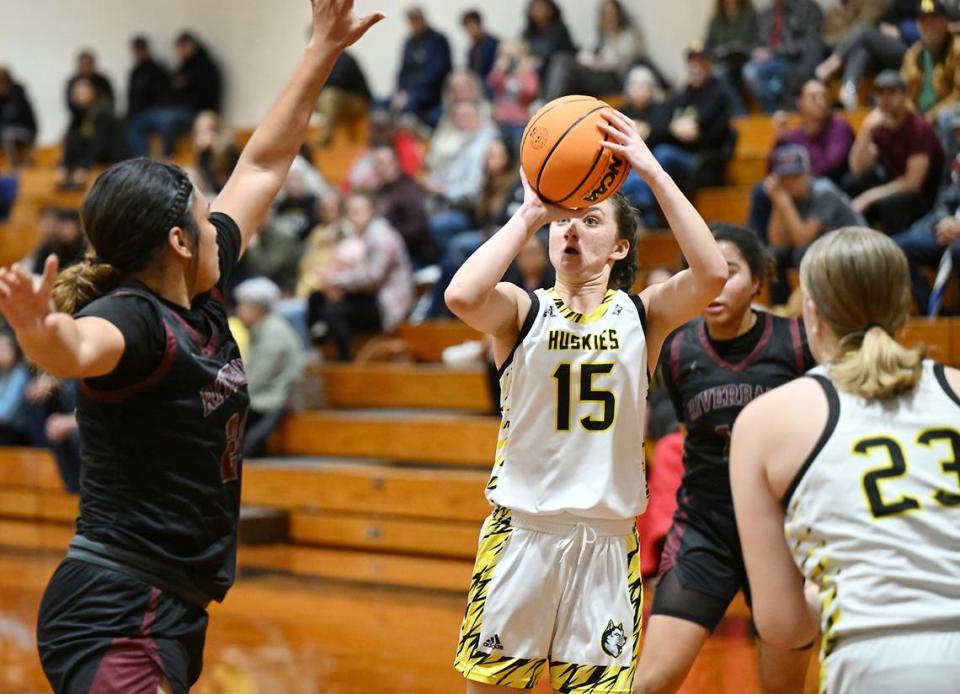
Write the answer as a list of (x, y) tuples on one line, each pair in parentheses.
[(161, 458), (708, 391)]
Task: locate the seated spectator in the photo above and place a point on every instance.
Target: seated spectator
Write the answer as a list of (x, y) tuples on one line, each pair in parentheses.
[(402, 202), (844, 17), (602, 69), (61, 234), (895, 162), (14, 379), (500, 185), (51, 422), (296, 209), (93, 138), (196, 85), (926, 240), (149, 83), (318, 250), (275, 252), (426, 64), (931, 67), (731, 35), (698, 137), (384, 132), (546, 34), (515, 84), (827, 139), (369, 284), (273, 362), (789, 49), (87, 70), (447, 139), (215, 153), (869, 47), (345, 99), (18, 125), (483, 46), (531, 270), (804, 207), (455, 181), (643, 103)]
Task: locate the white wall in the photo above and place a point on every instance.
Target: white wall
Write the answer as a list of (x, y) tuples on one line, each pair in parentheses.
[(257, 42)]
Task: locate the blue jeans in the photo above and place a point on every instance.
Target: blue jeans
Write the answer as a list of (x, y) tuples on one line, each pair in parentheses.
[(169, 122), (919, 243), (734, 98), (761, 209), (677, 162), (447, 224), (461, 247), (765, 80)]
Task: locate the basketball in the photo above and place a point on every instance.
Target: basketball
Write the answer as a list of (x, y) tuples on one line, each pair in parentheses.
[(562, 157)]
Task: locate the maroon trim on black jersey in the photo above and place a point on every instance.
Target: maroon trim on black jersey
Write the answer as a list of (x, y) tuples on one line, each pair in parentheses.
[(675, 356), (206, 349), (169, 352), (797, 344), (749, 359), (218, 295)]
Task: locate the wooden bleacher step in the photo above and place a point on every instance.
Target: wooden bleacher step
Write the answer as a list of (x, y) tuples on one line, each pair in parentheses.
[(402, 436), (728, 204)]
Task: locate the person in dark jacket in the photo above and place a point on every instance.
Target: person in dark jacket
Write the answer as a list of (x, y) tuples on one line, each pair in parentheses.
[(18, 125), (482, 52), (196, 86), (426, 64), (546, 34), (402, 202), (94, 137), (149, 83), (87, 69)]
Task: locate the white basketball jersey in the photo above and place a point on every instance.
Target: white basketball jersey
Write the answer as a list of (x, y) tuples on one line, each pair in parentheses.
[(873, 517), (574, 396)]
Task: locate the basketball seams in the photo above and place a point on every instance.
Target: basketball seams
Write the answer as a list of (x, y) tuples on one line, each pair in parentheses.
[(589, 173), (547, 109), (546, 160)]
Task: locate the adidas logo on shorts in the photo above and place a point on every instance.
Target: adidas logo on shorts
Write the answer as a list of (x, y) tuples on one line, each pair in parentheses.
[(493, 643)]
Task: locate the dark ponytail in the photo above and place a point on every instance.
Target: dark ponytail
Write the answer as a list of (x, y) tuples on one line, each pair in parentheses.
[(126, 216), (624, 271)]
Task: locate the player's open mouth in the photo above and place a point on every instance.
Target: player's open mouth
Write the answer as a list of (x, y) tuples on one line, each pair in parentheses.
[(570, 250), (715, 306)]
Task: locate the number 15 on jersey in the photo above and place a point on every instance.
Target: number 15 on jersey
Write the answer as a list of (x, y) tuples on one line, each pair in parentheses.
[(589, 391)]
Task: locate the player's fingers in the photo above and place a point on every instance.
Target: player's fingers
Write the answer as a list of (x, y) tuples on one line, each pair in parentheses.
[(4, 290), (618, 135), (50, 267), (618, 120), (614, 146)]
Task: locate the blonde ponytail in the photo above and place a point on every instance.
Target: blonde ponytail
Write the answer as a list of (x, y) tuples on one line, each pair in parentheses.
[(80, 284), (859, 281), (879, 368)]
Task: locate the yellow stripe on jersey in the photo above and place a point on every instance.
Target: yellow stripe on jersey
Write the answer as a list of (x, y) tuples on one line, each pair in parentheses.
[(597, 679), (576, 317), (490, 668)]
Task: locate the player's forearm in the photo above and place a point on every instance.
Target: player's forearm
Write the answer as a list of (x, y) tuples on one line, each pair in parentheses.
[(56, 351), (697, 244), (481, 272)]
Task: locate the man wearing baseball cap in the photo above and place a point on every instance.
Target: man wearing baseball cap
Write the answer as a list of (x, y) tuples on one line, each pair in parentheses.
[(804, 207), (931, 66), (896, 160)]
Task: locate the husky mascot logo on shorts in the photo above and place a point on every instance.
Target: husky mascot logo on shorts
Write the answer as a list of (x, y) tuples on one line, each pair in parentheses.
[(613, 639)]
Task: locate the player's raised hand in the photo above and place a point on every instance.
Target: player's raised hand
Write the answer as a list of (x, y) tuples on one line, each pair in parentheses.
[(625, 140), (537, 211), (24, 305), (335, 23)]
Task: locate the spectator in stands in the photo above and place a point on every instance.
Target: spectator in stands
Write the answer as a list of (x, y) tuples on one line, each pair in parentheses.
[(369, 285), (926, 240), (345, 99), (149, 82), (600, 70), (698, 137), (455, 181), (50, 421), (931, 66), (827, 139), (871, 47), (896, 160), (93, 138), (61, 234), (214, 153), (402, 202), (731, 36), (426, 64), (804, 207), (14, 378), (546, 34), (318, 249), (275, 252), (500, 186), (643, 103), (515, 84), (273, 362), (384, 132), (482, 51), (87, 70), (789, 49), (18, 125), (196, 85), (296, 208)]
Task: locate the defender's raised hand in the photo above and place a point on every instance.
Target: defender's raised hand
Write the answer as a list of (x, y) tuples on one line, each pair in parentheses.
[(335, 23), (24, 305)]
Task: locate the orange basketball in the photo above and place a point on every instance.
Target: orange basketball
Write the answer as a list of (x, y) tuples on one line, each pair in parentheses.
[(562, 157)]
